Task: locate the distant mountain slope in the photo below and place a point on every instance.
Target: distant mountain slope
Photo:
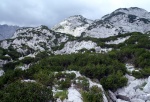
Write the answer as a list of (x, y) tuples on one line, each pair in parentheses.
[(7, 31)]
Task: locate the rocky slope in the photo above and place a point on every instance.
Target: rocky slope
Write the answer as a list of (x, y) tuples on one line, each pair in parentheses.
[(31, 40), (137, 90), (120, 21), (123, 20), (73, 25)]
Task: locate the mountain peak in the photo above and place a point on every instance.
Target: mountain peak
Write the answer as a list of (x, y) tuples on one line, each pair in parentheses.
[(130, 9), (121, 21), (137, 8), (73, 25), (76, 16), (139, 12)]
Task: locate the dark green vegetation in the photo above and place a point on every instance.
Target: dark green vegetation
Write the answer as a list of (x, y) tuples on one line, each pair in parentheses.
[(9, 54), (108, 68), (92, 65), (93, 95), (62, 95), (25, 92)]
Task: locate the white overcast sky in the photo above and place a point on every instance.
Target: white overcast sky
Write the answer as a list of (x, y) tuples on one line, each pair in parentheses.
[(51, 12)]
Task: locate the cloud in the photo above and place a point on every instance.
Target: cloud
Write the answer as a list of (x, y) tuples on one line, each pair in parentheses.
[(51, 12)]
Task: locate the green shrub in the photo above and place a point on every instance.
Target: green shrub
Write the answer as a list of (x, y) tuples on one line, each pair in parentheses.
[(45, 77), (62, 95), (27, 60), (114, 81), (65, 84), (145, 72), (41, 55), (82, 83), (74, 67), (60, 75), (25, 92), (93, 95), (137, 74), (10, 76)]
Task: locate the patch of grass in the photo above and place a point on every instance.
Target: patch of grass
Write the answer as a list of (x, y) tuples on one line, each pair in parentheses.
[(93, 95), (62, 95)]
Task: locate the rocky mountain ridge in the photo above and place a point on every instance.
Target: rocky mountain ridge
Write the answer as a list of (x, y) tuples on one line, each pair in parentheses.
[(71, 34), (73, 25), (121, 21), (30, 40)]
